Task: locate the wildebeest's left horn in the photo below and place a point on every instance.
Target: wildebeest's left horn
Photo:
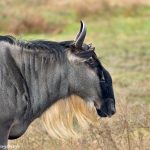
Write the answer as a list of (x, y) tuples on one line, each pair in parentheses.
[(81, 35)]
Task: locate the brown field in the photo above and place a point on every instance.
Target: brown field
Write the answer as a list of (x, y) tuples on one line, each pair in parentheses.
[(54, 15), (129, 129)]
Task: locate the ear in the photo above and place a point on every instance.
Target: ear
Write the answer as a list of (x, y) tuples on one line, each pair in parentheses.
[(80, 36)]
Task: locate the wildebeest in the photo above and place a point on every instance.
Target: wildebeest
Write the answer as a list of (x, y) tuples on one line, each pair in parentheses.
[(36, 75)]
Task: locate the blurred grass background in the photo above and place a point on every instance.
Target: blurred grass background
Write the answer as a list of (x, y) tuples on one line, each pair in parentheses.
[(119, 29)]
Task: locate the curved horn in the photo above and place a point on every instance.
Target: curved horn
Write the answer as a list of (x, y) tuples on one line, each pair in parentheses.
[(81, 35)]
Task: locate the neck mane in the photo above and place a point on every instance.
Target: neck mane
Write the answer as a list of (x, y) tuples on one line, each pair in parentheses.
[(44, 67)]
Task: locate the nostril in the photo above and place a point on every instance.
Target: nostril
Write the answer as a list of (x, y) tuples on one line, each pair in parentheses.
[(113, 110), (111, 107)]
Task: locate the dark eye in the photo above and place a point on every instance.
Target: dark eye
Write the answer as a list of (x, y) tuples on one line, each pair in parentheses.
[(91, 60)]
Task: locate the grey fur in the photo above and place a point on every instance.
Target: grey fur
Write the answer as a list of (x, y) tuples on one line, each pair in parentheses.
[(33, 77)]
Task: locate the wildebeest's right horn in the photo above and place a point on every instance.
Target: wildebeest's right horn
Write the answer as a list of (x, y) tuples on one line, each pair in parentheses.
[(80, 36)]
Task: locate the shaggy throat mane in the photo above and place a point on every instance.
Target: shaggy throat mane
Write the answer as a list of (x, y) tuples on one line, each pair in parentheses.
[(67, 117)]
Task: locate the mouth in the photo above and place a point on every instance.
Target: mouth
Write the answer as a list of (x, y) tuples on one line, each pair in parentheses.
[(97, 105), (107, 108)]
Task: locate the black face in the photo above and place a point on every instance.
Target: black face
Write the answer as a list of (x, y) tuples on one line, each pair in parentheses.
[(105, 81), (108, 103)]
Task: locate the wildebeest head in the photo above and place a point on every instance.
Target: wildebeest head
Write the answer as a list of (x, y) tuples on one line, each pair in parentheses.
[(88, 81), (105, 105)]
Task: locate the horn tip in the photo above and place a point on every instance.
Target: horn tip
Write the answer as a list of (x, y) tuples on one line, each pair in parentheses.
[(82, 22)]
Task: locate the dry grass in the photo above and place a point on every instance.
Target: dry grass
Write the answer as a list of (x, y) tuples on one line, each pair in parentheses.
[(122, 41), (50, 16), (129, 129), (22, 18)]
